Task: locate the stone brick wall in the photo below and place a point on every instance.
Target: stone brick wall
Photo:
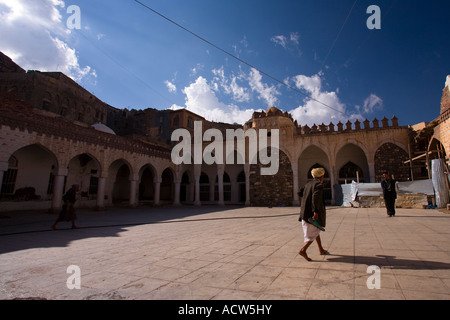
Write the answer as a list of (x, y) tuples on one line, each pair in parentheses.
[(445, 135), (390, 158), (405, 201), (274, 190), (445, 119), (18, 115), (445, 100)]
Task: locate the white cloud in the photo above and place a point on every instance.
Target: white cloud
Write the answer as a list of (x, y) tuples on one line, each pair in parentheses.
[(170, 86), (289, 42), (319, 105), (329, 109), (175, 107), (197, 69), (244, 42), (35, 36), (295, 38), (230, 86), (372, 103), (267, 93), (280, 40), (201, 99), (311, 84)]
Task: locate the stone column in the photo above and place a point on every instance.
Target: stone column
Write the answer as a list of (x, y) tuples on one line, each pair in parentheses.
[(247, 184), (101, 194), (176, 201), (133, 190), (372, 172), (333, 182), (58, 186), (197, 173), (191, 193), (212, 191), (220, 171), (296, 201), (197, 191), (334, 177), (157, 187)]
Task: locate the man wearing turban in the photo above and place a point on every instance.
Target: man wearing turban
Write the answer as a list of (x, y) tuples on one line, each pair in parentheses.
[(313, 212)]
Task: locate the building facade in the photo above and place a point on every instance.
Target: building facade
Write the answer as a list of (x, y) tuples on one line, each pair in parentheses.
[(54, 133)]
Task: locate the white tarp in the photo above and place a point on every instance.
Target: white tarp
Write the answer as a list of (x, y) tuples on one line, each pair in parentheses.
[(440, 182), (353, 190), (419, 186)]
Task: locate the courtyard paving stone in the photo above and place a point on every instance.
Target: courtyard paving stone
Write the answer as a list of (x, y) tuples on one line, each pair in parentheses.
[(225, 253)]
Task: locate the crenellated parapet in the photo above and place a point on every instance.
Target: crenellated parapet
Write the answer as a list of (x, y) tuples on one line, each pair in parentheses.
[(263, 119), (347, 127)]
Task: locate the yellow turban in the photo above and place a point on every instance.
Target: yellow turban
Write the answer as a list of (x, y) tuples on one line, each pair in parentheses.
[(318, 172)]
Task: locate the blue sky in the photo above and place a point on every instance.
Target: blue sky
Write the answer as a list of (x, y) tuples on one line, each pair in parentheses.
[(129, 57)]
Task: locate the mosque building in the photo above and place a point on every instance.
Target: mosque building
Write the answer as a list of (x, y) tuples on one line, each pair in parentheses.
[(54, 133)]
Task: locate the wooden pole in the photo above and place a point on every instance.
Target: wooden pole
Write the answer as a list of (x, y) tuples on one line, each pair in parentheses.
[(410, 163), (428, 162)]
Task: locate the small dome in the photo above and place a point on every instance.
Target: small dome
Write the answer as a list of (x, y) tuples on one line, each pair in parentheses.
[(274, 112), (101, 127)]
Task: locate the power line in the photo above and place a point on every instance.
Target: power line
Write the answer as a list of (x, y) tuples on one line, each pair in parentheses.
[(237, 58), (338, 35), (385, 14)]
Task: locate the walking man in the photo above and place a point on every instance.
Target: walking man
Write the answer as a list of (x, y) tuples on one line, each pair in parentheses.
[(313, 212), (389, 194), (68, 211)]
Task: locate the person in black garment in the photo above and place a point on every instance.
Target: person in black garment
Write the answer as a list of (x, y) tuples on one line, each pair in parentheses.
[(68, 211), (313, 206), (389, 193)]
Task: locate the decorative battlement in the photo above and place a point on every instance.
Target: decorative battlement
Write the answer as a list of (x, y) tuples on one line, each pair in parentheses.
[(357, 125), (348, 127)]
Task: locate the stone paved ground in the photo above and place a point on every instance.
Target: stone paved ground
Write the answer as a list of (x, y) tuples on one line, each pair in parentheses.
[(227, 253)]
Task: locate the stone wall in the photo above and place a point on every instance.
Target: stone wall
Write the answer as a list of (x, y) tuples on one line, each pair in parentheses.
[(405, 201), (412, 201), (18, 115), (445, 119), (391, 158), (276, 190)]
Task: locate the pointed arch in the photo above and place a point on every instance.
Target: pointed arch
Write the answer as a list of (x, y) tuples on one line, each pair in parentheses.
[(352, 153), (34, 170), (167, 185), (147, 176), (351, 172), (315, 157), (204, 187), (84, 170), (120, 173), (391, 158), (187, 187)]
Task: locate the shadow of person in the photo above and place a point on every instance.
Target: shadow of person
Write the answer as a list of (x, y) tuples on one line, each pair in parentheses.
[(390, 262)]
